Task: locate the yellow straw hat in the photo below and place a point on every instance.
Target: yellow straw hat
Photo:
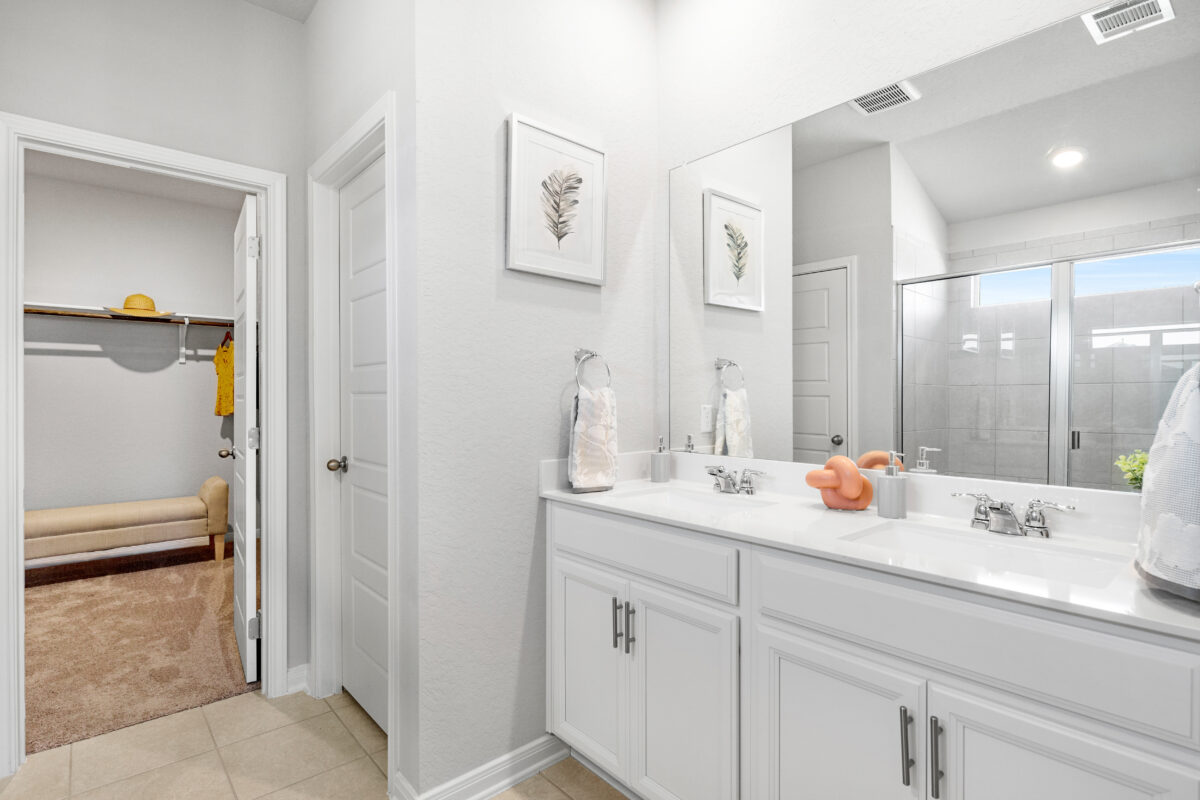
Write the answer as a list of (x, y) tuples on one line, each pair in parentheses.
[(139, 305)]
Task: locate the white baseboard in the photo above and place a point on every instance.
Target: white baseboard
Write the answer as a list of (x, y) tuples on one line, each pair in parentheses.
[(493, 777), (297, 679)]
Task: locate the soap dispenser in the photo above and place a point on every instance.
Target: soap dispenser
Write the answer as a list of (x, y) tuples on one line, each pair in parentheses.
[(923, 461), (892, 491), (660, 464)]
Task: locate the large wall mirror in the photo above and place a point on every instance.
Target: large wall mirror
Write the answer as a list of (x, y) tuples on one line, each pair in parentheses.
[(995, 260)]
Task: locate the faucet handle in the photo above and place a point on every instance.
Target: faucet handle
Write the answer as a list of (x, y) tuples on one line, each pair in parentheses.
[(752, 472), (715, 470), (1038, 505), (982, 497)]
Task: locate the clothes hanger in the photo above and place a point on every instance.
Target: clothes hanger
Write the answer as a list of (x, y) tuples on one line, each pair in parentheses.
[(228, 338)]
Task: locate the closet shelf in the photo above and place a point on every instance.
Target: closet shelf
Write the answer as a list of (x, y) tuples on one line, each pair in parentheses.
[(89, 312)]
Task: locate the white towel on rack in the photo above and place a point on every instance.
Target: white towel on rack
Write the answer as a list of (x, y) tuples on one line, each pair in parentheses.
[(592, 458), (732, 430)]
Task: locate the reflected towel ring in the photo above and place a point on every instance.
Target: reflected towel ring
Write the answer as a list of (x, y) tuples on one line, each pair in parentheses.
[(581, 357), (722, 364)]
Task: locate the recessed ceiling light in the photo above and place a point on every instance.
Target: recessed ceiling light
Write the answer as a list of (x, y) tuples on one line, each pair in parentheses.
[(1067, 157)]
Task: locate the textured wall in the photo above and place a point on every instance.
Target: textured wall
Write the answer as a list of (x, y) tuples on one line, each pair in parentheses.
[(496, 346), (145, 427), (221, 78), (758, 171)]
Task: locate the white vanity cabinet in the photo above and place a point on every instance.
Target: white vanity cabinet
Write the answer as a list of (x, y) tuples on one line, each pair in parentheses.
[(988, 751), (643, 670), (830, 724), (695, 667)]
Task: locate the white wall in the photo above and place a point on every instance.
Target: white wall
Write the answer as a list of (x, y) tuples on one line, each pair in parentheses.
[(144, 426), (842, 208), (918, 227), (221, 78), (758, 171), (496, 346), (1145, 204)]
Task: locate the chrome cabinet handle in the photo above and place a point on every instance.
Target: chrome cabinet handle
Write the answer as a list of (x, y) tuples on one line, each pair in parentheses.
[(616, 608), (629, 638), (935, 761), (906, 763)]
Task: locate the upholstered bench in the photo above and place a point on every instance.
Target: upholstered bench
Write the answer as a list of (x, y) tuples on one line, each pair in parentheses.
[(91, 529)]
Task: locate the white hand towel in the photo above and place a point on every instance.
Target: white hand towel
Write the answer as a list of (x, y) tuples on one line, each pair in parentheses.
[(592, 460), (733, 425)]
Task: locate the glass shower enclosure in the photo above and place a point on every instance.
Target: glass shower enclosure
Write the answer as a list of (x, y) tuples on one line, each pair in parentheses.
[(1046, 374)]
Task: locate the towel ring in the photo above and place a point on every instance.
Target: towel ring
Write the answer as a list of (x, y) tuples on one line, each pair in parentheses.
[(724, 363), (581, 357)]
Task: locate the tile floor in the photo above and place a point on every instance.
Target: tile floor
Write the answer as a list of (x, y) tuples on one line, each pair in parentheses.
[(566, 780), (290, 748)]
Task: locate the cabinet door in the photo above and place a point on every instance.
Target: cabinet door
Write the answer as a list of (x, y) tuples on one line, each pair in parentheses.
[(589, 668), (989, 752), (684, 699), (828, 724)]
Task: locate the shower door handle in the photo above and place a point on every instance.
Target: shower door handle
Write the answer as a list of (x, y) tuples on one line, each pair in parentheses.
[(1076, 438)]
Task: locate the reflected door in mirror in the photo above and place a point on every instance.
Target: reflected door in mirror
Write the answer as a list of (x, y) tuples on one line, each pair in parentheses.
[(819, 365)]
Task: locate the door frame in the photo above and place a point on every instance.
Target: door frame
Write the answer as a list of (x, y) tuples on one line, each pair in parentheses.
[(850, 264), (18, 134), (374, 135)]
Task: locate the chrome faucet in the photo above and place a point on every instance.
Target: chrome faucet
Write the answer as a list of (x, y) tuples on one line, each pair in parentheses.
[(726, 481), (998, 516)]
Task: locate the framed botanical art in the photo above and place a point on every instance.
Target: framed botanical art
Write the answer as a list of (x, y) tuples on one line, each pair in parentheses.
[(556, 204), (733, 252)]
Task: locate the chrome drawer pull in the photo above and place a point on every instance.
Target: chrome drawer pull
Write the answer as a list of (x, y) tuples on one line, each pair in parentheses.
[(616, 633), (906, 763), (629, 639), (935, 760)]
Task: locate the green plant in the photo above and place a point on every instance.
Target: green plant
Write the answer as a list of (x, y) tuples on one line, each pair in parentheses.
[(1134, 467)]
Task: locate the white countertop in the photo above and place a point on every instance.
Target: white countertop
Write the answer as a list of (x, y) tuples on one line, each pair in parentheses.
[(1089, 576)]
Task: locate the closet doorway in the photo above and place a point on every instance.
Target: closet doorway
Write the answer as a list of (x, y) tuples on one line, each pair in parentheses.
[(104, 379)]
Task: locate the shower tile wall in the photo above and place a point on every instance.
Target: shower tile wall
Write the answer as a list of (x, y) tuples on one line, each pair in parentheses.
[(976, 382), (1120, 382)]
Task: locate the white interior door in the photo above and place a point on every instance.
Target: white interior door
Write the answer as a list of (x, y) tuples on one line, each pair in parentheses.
[(364, 498), (245, 436), (820, 346)]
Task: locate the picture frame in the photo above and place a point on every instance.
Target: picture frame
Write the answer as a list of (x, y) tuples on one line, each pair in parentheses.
[(557, 204), (733, 253)]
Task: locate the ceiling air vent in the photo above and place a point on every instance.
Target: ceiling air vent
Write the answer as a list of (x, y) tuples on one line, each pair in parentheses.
[(897, 94), (1123, 19)]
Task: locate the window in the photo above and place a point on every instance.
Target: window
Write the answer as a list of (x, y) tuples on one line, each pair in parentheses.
[(1140, 272), (1012, 286)]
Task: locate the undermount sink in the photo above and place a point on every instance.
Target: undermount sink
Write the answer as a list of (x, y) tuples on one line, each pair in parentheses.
[(997, 554), (670, 500)]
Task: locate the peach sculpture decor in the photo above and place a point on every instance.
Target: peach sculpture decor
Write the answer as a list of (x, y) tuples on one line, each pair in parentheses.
[(842, 486)]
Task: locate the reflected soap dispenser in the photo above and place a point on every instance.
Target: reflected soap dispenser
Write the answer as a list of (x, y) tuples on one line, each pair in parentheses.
[(660, 464), (892, 490), (923, 461)]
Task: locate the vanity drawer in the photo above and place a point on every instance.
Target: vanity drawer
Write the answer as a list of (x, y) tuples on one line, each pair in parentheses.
[(1132, 684), (647, 549)]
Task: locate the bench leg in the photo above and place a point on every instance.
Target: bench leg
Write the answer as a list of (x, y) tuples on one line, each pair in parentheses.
[(218, 546)]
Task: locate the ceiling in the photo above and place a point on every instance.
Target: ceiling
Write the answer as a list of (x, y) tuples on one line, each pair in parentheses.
[(978, 137), (293, 9), (126, 179)]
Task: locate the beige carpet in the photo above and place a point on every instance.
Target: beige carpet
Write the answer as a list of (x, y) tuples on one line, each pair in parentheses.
[(104, 651)]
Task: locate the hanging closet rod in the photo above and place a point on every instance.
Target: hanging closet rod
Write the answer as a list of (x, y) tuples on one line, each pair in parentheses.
[(102, 313)]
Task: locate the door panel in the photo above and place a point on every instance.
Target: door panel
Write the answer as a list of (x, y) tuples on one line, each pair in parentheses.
[(245, 420), (989, 752), (590, 668), (829, 723), (819, 365), (364, 442), (684, 699)]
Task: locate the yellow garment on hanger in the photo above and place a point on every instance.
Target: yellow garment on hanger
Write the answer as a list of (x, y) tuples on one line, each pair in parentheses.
[(223, 364)]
